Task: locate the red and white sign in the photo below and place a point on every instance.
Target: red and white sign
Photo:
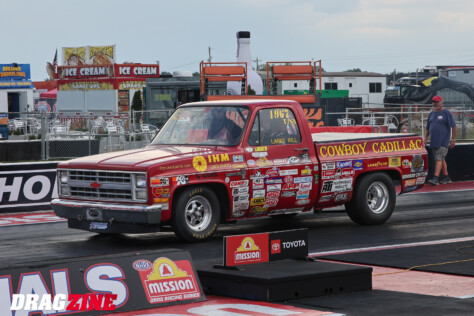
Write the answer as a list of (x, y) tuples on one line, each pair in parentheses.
[(168, 281), (245, 249)]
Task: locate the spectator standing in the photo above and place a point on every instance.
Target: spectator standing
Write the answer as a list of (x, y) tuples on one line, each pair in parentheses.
[(441, 129)]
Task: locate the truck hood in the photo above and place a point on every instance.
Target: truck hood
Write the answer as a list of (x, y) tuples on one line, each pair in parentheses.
[(136, 159)]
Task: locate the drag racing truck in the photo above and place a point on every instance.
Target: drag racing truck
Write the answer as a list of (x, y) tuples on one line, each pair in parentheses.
[(217, 162)]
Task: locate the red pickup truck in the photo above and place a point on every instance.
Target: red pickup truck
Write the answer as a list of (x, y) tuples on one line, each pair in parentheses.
[(220, 161)]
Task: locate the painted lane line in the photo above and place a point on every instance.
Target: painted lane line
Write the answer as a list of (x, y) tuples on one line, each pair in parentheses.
[(385, 247)]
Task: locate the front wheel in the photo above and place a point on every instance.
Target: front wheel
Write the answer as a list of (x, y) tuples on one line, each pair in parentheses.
[(373, 200), (196, 214)]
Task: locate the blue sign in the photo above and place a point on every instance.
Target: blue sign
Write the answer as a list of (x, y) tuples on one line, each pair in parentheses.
[(15, 72)]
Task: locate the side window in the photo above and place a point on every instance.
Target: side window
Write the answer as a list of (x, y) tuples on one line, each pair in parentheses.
[(275, 126)]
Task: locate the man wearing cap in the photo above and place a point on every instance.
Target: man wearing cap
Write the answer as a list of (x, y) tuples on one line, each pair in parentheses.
[(442, 131)]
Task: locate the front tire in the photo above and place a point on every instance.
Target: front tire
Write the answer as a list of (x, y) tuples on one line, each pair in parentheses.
[(196, 214), (373, 200)]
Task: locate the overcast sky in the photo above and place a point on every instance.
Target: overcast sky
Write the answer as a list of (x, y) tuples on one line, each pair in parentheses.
[(373, 35)]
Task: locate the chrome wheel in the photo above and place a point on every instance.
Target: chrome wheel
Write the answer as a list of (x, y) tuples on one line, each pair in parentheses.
[(198, 213), (377, 197)]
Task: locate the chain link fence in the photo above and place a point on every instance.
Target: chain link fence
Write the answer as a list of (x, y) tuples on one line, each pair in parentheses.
[(71, 135)]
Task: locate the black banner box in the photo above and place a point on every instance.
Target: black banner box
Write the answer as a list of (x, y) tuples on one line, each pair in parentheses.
[(143, 280), (265, 247), (27, 186)]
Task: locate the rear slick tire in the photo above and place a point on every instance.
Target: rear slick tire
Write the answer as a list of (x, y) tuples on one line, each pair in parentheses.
[(373, 201), (196, 214)]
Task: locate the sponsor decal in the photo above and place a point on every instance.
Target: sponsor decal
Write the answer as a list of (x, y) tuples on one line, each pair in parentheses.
[(394, 162), (169, 281), (422, 174), (240, 198), (249, 149), (291, 186), (302, 202), (239, 183), (306, 171), (274, 180), (272, 172), (239, 206), (420, 180), (258, 210), (289, 172), (180, 180), (206, 175), (227, 179), (338, 173), (293, 159), (288, 179), (199, 163), (257, 174), (304, 157), (257, 201), (377, 164), (409, 183), (353, 149), (156, 182), (258, 184), (358, 164), (271, 203), (303, 179), (305, 186), (240, 190), (251, 163), (261, 148), (344, 164), (160, 191), (260, 154), (273, 194), (337, 185), (302, 195), (340, 197), (347, 173), (328, 174), (263, 162), (409, 189), (234, 174), (283, 161), (274, 187), (328, 166), (408, 176), (237, 213), (288, 193), (238, 158), (406, 163), (326, 198), (417, 164), (258, 194)]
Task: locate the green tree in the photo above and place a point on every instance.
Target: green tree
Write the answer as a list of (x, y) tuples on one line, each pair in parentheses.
[(354, 70)]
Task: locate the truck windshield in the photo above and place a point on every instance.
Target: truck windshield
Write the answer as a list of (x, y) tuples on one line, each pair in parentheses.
[(210, 125)]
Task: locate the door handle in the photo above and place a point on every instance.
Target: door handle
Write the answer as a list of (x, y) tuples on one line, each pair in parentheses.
[(302, 149)]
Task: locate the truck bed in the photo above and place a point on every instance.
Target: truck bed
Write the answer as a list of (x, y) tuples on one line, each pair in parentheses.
[(327, 137)]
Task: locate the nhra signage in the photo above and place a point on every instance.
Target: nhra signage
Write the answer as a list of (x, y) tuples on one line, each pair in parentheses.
[(265, 247), (89, 285), (26, 187)]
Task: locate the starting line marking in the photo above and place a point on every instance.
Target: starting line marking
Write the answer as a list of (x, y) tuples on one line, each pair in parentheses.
[(29, 218)]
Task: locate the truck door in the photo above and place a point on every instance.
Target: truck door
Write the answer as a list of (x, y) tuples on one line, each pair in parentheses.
[(279, 165)]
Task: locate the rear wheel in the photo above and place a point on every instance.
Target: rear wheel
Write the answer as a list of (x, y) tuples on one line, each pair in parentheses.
[(196, 214), (373, 200)]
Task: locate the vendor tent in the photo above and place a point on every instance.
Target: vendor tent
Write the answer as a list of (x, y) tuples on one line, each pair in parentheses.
[(51, 94)]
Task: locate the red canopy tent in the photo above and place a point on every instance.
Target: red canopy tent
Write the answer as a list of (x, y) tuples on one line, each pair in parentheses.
[(51, 94)]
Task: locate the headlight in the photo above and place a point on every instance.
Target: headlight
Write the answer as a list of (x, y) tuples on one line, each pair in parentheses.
[(140, 181), (141, 195), (63, 176), (64, 190)]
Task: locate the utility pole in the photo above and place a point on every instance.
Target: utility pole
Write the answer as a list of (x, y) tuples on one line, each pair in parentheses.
[(210, 57), (256, 61)]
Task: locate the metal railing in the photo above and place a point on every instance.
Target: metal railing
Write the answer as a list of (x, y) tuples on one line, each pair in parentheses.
[(71, 135)]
